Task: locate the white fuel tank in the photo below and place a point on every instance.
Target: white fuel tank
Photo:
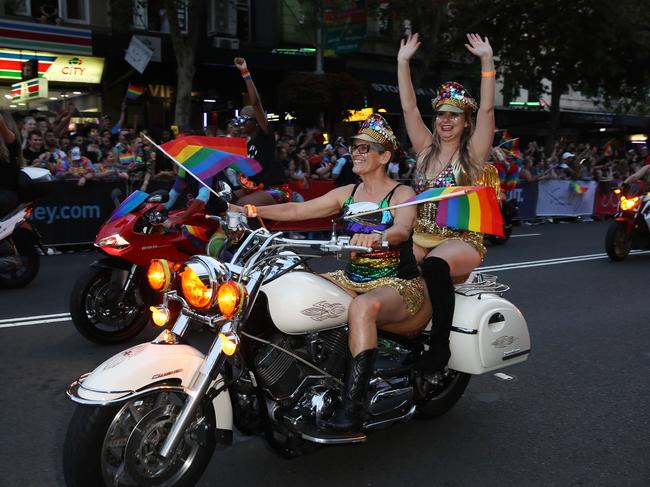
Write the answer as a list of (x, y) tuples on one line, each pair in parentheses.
[(302, 302)]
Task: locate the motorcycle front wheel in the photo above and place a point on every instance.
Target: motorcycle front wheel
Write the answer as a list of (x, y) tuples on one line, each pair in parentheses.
[(437, 394), (104, 316), (118, 446), (27, 262), (617, 241)]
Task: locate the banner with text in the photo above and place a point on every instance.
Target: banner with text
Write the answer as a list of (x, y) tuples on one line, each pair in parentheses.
[(560, 198)]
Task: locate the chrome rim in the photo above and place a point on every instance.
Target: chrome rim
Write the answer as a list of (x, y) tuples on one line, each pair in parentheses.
[(130, 450), (108, 316)]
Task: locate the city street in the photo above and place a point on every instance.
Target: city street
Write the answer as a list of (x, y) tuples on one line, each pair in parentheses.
[(573, 415)]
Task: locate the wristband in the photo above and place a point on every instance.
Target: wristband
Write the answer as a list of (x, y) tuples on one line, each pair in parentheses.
[(246, 74), (488, 74), (251, 211)]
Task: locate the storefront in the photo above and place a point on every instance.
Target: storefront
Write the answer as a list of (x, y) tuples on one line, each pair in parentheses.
[(60, 55)]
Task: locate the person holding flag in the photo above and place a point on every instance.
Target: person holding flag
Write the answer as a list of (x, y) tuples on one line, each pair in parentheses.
[(270, 185), (454, 152)]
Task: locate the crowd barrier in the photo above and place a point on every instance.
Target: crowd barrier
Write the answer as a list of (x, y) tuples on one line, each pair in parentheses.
[(71, 215)]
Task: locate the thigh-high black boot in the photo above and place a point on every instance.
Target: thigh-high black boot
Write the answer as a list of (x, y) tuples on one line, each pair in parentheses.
[(436, 274), (350, 414)]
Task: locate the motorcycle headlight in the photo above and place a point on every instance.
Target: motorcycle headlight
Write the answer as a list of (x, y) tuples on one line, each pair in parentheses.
[(200, 280), (628, 203), (159, 275), (230, 298), (115, 241)]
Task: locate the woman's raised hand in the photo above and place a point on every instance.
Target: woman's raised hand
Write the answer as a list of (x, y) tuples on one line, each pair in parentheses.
[(481, 48), (408, 47)]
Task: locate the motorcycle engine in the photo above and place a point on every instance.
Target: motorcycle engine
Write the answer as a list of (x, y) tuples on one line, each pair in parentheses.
[(282, 374)]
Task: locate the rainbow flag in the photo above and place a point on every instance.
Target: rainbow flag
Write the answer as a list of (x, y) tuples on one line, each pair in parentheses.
[(576, 188), (206, 156), (196, 235), (511, 178), (476, 211), (127, 158), (131, 202), (133, 92)]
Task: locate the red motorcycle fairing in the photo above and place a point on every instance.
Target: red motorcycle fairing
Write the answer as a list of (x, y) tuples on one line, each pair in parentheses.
[(172, 245)]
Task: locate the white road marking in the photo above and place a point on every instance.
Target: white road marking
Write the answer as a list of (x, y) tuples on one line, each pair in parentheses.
[(36, 317), (525, 235), (561, 260), (35, 322)]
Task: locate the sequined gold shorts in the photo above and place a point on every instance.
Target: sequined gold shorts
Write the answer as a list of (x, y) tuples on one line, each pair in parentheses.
[(431, 238), (411, 290)]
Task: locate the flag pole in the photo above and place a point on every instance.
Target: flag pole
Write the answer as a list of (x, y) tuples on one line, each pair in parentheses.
[(142, 134), (410, 203)]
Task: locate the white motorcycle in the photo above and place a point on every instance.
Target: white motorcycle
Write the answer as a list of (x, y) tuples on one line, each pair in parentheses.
[(19, 259), (153, 414)]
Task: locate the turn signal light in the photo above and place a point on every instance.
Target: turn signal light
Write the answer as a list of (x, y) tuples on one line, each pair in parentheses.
[(159, 275), (227, 345), (229, 298), (159, 315), (195, 291), (628, 204)]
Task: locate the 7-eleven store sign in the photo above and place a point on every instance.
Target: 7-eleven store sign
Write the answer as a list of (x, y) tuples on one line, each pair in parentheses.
[(33, 89)]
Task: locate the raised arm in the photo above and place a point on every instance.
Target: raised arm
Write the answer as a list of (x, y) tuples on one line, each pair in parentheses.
[(637, 175), (418, 132), (481, 140), (253, 95)]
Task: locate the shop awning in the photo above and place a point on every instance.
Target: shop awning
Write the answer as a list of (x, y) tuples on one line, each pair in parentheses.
[(42, 37)]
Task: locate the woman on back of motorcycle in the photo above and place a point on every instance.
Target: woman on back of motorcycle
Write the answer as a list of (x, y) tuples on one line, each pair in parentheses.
[(385, 283), (11, 160), (452, 153)]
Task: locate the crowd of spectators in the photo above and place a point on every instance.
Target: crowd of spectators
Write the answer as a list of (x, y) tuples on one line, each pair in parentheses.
[(109, 149)]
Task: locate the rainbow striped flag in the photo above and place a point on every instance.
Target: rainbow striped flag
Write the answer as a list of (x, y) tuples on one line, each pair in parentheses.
[(206, 156), (476, 211), (133, 92), (131, 202), (576, 188), (127, 158), (196, 235)]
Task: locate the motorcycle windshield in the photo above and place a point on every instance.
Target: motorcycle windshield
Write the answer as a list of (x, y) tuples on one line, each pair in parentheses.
[(132, 202)]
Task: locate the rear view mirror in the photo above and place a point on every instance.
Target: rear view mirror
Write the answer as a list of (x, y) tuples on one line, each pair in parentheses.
[(224, 191)]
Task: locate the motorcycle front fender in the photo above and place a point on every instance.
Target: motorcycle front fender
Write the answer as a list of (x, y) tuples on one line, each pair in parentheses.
[(145, 369)]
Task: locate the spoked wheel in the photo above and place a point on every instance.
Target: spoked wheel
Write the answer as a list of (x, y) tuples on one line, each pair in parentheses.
[(21, 266), (118, 446), (617, 241), (103, 314), (437, 393)]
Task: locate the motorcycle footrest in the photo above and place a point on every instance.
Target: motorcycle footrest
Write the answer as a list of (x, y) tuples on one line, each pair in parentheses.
[(323, 437)]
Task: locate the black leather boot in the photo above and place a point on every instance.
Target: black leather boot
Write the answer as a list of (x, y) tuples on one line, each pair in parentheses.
[(436, 274), (350, 414)]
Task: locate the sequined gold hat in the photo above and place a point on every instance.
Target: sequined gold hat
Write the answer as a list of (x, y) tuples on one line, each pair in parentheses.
[(376, 129), (454, 98)]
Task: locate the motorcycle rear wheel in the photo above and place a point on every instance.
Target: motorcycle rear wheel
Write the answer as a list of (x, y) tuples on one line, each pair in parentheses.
[(29, 257), (617, 241), (435, 398), (99, 320), (103, 444)]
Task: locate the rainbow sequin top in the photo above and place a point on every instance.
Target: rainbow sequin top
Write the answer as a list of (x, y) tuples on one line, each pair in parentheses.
[(397, 262)]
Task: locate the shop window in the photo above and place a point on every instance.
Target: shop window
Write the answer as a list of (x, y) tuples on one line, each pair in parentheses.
[(151, 15), (75, 11), (230, 18)]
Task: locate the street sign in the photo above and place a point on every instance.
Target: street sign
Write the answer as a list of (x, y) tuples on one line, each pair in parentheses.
[(138, 55)]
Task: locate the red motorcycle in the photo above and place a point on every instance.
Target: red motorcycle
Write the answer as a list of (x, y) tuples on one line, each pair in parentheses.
[(631, 226), (110, 301)]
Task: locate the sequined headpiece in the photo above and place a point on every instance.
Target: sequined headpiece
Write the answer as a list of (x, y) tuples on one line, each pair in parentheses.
[(376, 128), (452, 93)]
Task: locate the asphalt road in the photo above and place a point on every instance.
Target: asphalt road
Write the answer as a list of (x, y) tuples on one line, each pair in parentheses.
[(575, 414)]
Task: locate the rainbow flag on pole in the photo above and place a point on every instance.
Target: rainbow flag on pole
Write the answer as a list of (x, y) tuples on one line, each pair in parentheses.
[(133, 92), (477, 210), (206, 156)]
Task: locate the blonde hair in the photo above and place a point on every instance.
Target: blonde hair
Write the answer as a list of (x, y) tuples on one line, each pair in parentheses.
[(4, 150), (471, 170)]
